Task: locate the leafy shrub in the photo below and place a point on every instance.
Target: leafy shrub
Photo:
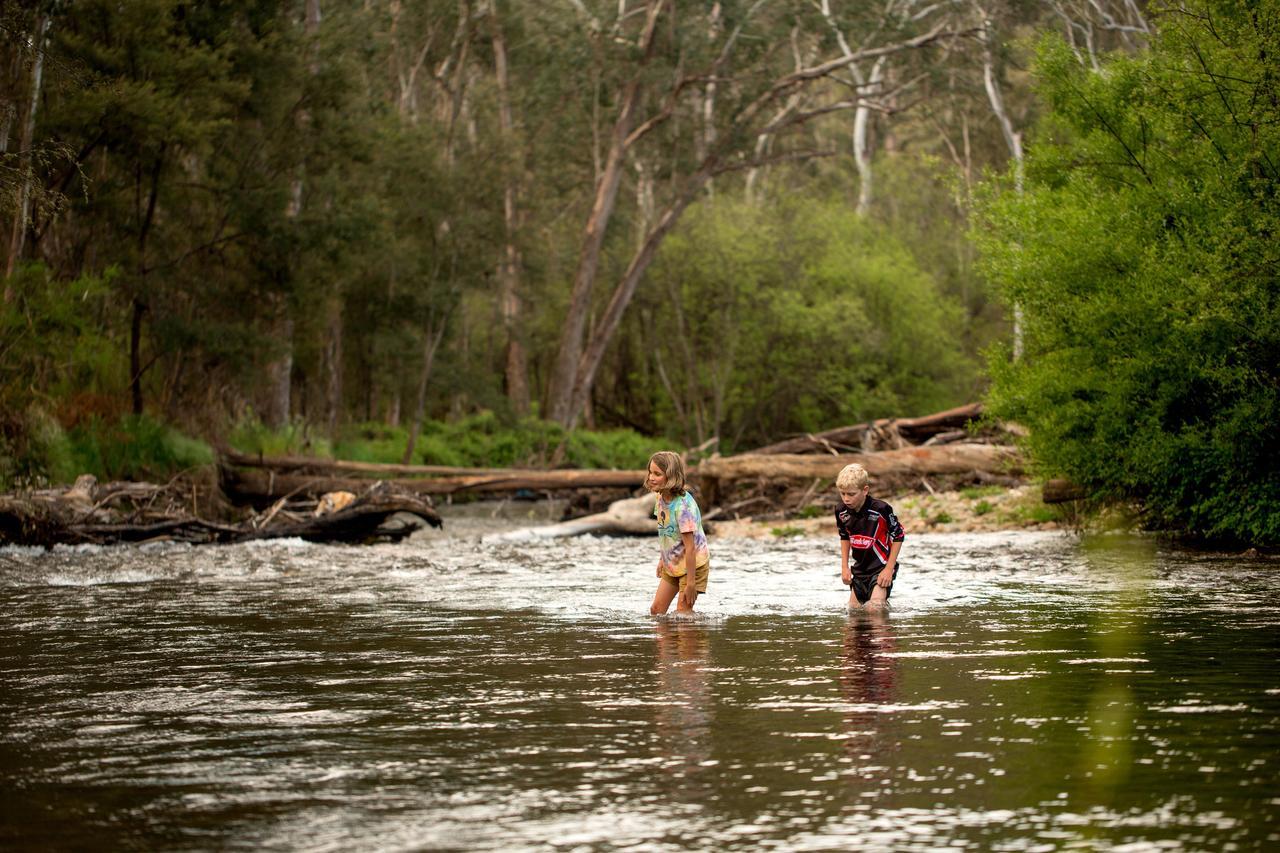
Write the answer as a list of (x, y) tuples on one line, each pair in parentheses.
[(975, 492), (134, 448), (1144, 259), (480, 440)]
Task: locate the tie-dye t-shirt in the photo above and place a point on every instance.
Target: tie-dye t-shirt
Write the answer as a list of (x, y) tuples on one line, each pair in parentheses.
[(682, 515)]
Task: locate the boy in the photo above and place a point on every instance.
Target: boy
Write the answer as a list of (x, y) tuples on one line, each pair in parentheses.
[(870, 539)]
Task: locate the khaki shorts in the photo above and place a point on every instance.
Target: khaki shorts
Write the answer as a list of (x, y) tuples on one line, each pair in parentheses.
[(700, 575)]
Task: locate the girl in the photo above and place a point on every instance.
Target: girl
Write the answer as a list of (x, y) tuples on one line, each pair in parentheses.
[(682, 543)]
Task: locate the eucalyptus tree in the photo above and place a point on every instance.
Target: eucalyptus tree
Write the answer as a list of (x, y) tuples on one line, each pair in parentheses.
[(660, 59)]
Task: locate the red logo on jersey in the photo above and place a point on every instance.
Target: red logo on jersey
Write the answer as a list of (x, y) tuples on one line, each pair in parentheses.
[(860, 541)]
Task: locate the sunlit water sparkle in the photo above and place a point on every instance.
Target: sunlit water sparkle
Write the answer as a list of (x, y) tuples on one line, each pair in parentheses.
[(1026, 693)]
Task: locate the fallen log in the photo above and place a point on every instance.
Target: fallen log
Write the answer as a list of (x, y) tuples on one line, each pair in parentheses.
[(1062, 491), (632, 516), (264, 486), (884, 433), (82, 515), (889, 469)]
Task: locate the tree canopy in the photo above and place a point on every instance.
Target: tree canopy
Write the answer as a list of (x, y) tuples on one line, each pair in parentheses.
[(1144, 253)]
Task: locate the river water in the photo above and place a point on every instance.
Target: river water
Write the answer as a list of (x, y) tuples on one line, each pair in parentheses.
[(1027, 692)]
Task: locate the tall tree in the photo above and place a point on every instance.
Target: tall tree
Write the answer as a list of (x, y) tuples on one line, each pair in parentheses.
[(759, 87)]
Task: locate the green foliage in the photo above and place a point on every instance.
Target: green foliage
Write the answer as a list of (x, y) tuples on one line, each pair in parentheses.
[(52, 345), (815, 511), (942, 517), (480, 440), (1144, 255), (786, 532), (128, 448), (134, 448), (796, 316), (252, 436), (982, 508), (975, 492)]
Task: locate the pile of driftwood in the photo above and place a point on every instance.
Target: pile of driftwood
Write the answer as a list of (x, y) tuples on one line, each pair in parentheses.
[(112, 513), (945, 450)]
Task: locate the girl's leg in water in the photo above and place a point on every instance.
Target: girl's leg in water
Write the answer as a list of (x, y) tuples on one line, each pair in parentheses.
[(662, 599), (681, 607)]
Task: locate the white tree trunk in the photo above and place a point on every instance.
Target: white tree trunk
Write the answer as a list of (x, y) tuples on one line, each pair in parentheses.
[(1012, 139), (861, 126), (564, 403), (22, 218), (516, 367)]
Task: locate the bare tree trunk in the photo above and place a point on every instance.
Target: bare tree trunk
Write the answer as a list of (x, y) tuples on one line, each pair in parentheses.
[(333, 366), (280, 372), (18, 237), (589, 362), (1012, 138), (135, 355), (430, 342), (861, 127), (516, 363), (564, 403)]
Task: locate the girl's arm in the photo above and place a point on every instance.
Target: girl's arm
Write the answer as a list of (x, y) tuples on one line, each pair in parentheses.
[(690, 566)]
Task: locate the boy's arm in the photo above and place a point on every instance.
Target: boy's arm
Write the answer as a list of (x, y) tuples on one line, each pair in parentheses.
[(886, 574), (845, 577)]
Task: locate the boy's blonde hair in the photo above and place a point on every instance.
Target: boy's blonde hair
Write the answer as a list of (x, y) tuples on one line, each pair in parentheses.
[(852, 478), (672, 467)]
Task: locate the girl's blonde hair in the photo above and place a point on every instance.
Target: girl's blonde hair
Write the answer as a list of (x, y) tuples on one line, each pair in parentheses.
[(672, 467)]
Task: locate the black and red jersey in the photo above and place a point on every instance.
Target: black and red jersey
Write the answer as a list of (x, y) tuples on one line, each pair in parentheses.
[(869, 531)]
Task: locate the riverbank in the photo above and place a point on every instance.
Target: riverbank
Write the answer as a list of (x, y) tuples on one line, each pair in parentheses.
[(977, 509)]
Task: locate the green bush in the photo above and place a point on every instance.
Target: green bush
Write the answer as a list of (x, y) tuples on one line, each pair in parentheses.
[(133, 448), (975, 492), (1144, 258), (480, 440)]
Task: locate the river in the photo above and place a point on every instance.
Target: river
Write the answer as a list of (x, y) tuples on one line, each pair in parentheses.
[(1027, 692)]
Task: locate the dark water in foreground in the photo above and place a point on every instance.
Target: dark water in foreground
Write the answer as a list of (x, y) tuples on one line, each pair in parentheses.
[(1027, 693)]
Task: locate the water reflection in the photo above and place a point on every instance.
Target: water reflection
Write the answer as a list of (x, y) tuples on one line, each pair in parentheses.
[(684, 714), (1027, 693), (868, 682)]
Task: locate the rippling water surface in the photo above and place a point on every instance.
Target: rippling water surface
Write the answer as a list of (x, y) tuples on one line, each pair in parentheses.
[(1026, 693)]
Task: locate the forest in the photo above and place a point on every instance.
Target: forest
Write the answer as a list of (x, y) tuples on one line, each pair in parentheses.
[(507, 232)]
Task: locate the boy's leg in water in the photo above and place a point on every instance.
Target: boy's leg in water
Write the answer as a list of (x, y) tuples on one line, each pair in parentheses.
[(879, 599), (662, 599)]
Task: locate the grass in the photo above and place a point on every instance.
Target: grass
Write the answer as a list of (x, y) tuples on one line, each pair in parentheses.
[(974, 492), (480, 440), (982, 508), (787, 532)]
